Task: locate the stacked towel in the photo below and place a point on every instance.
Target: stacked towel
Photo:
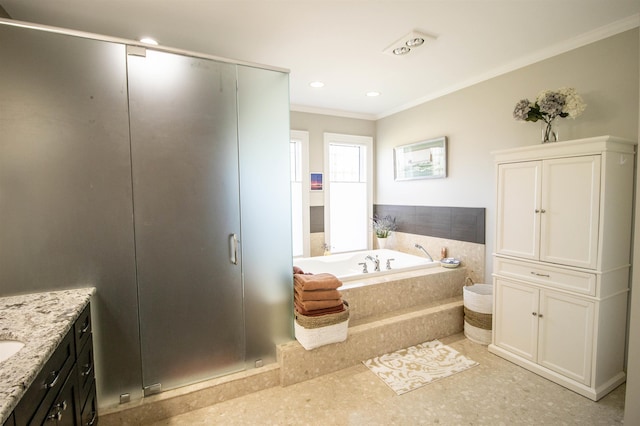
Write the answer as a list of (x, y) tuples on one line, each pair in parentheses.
[(316, 294)]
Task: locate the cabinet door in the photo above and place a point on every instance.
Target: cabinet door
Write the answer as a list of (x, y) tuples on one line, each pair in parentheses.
[(516, 322), (518, 225), (65, 410), (566, 335), (570, 211)]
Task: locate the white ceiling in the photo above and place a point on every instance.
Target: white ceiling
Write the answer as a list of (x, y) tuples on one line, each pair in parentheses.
[(341, 42)]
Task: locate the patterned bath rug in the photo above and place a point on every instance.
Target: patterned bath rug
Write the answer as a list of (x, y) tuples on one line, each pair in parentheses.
[(416, 366)]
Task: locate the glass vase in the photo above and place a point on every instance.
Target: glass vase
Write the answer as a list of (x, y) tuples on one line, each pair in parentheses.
[(549, 132)]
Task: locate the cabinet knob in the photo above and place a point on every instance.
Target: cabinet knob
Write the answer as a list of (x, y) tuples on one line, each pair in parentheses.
[(534, 314), (539, 315)]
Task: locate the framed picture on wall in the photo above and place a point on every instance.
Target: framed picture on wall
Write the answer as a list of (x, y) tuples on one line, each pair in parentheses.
[(316, 181), (421, 160)]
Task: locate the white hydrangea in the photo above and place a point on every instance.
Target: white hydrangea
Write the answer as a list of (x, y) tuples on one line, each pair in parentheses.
[(574, 105)]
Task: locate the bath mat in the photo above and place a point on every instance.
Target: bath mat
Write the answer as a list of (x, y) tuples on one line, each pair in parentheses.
[(411, 368)]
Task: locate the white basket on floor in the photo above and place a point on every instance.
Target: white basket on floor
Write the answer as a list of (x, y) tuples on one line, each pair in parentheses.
[(313, 332), (311, 338), (478, 312)]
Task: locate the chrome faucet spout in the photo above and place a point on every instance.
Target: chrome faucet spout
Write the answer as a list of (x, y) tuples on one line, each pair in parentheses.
[(375, 261), (418, 246)]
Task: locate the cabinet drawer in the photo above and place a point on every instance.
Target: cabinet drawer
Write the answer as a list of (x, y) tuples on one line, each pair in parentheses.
[(85, 371), (89, 414), (82, 329), (564, 279), (64, 410), (47, 383)]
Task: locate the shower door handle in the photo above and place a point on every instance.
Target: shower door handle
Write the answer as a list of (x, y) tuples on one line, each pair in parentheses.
[(233, 248)]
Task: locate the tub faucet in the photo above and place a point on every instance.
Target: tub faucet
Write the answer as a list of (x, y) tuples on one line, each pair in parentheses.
[(375, 261), (418, 246)]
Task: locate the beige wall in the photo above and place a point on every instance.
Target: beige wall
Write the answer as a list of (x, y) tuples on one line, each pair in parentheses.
[(478, 120), (632, 409), (317, 125)]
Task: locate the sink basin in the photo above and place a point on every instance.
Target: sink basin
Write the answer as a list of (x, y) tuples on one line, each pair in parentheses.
[(8, 348)]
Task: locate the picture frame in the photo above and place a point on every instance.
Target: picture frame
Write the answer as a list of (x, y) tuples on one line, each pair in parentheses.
[(316, 181), (426, 159)]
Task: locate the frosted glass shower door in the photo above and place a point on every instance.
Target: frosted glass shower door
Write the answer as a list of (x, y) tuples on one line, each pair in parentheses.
[(186, 206)]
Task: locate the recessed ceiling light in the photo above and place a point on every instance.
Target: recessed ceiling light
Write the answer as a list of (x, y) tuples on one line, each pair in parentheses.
[(373, 94), (316, 84), (401, 50), (408, 43), (415, 42), (149, 40)]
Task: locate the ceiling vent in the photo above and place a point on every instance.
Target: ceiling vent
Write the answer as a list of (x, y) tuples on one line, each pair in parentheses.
[(408, 43)]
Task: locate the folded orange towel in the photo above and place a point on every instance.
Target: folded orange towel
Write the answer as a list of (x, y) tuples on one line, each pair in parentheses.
[(312, 305), (319, 312), (322, 281), (305, 295)]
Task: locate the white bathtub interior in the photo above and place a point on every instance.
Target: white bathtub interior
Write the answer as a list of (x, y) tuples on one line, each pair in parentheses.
[(347, 266)]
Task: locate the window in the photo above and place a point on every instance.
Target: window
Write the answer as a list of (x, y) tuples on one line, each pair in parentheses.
[(348, 191), (299, 157)]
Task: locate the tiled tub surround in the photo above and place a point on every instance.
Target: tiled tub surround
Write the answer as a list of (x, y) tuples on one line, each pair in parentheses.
[(40, 321), (460, 229), (387, 313)]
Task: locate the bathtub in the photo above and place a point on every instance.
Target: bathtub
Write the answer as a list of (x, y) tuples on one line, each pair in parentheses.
[(345, 265)]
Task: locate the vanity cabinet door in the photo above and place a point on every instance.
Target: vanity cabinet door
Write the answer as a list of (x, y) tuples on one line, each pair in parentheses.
[(34, 406), (65, 410), (10, 421), (516, 322)]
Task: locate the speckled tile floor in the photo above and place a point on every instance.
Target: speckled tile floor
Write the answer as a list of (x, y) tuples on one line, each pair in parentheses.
[(496, 392)]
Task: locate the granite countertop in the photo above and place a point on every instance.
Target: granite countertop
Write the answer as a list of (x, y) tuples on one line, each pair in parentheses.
[(40, 321)]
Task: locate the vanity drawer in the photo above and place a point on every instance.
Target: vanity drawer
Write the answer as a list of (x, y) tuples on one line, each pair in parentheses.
[(47, 384), (82, 329), (547, 275), (89, 416), (85, 371)]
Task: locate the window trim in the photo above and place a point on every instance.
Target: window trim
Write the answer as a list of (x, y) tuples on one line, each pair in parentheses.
[(302, 136), (339, 138)]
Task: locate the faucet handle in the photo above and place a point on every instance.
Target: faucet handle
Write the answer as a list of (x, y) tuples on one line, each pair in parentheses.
[(389, 263), (364, 267)]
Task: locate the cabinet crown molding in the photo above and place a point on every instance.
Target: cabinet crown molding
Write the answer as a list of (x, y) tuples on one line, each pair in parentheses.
[(586, 146)]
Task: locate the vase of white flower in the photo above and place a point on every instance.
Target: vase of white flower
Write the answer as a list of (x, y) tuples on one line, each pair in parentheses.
[(549, 105)]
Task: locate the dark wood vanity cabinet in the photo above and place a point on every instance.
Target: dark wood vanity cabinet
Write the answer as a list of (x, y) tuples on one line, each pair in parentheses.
[(10, 421), (64, 392)]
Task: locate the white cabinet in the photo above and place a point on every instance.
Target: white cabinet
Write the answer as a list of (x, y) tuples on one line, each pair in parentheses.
[(561, 267), (550, 209), (546, 327)]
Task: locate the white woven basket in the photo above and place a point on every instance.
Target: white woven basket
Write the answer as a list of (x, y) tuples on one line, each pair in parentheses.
[(479, 298), (311, 338), (477, 335)]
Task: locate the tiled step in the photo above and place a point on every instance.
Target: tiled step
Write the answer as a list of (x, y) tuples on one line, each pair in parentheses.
[(371, 337), (188, 398), (393, 293)]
